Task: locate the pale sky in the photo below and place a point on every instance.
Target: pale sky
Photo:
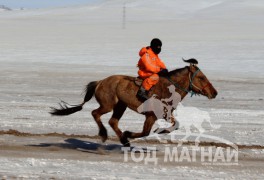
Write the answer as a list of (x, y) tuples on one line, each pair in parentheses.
[(42, 3)]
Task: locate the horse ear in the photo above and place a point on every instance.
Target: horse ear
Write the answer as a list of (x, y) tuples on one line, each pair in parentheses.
[(192, 67)]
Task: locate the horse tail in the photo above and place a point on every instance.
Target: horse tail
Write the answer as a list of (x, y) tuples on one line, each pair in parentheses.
[(214, 126), (89, 90), (65, 110)]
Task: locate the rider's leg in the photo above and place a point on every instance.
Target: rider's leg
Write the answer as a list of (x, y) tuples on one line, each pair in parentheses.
[(142, 93)]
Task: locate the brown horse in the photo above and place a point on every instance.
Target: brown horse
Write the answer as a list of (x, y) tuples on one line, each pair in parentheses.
[(118, 92)]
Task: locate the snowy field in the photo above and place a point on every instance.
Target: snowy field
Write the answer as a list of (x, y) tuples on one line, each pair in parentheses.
[(51, 54)]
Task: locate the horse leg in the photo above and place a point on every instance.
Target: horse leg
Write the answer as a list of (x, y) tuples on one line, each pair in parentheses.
[(97, 113), (184, 139), (149, 122), (201, 131), (174, 126), (119, 110)]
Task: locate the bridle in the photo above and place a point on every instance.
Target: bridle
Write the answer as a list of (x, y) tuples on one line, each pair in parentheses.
[(191, 84)]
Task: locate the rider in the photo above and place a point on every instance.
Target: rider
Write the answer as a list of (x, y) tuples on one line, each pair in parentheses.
[(172, 102), (175, 97), (149, 66)]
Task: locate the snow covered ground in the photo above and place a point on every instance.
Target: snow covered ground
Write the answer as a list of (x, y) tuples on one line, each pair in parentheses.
[(51, 54)]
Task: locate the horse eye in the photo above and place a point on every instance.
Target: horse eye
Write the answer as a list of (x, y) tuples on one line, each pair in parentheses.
[(201, 78)]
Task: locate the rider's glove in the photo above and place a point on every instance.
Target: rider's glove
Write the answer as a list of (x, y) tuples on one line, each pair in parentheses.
[(163, 72)]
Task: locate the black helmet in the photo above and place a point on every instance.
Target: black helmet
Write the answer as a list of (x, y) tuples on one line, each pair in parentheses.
[(155, 45)]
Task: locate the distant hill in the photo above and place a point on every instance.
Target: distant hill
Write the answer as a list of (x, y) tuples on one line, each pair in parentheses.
[(5, 8)]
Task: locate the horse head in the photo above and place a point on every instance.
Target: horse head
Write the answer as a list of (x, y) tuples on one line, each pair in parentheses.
[(199, 83)]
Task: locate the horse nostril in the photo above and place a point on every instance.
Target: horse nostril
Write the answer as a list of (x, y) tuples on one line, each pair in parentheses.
[(215, 94)]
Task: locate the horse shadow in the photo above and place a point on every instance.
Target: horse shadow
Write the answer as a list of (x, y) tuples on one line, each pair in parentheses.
[(84, 146)]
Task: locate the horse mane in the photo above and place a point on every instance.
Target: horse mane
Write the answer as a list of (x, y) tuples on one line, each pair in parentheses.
[(178, 71)]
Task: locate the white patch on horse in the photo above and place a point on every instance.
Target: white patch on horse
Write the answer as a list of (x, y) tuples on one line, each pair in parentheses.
[(166, 116)]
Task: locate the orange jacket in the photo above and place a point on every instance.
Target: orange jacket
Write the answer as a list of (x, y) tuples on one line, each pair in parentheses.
[(149, 63)]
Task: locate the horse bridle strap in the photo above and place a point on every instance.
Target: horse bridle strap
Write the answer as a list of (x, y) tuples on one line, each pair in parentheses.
[(191, 80), (190, 85)]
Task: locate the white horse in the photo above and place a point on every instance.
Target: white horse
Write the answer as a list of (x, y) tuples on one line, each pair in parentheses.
[(192, 116)]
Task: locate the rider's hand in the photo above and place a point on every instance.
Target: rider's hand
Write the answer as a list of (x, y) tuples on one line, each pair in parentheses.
[(163, 72)]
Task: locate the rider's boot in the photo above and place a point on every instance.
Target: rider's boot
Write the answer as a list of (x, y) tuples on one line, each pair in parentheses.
[(142, 94)]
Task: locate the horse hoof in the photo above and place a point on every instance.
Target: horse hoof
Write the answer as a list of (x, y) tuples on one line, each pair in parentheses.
[(125, 142), (103, 135), (124, 139), (103, 138)]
